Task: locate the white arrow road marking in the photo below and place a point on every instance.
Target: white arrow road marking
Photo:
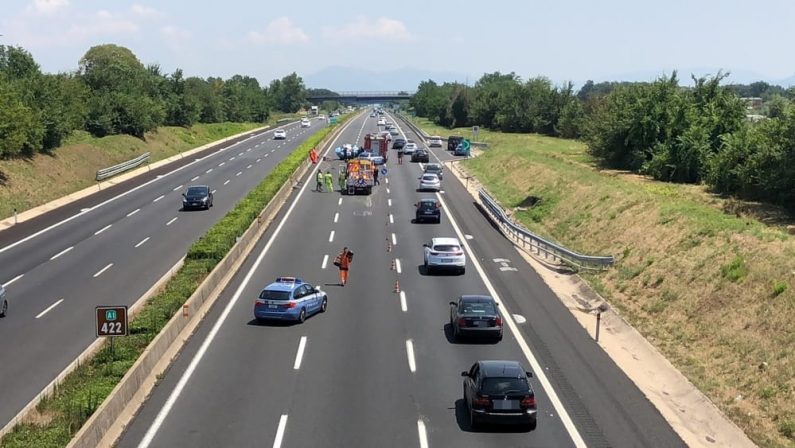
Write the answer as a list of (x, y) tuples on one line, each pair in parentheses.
[(502, 260), (519, 318), (469, 237)]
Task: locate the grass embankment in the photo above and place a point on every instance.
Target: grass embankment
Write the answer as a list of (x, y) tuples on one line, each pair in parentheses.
[(61, 415), (707, 280), (29, 182)]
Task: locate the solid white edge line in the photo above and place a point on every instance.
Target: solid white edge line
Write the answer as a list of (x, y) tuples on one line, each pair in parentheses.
[(121, 195), (422, 433), (183, 381), (336, 217), (159, 198), (172, 221), (47, 310), (394, 240), (277, 442), (103, 229), (397, 265), (403, 306), (325, 262), (13, 280), (331, 237), (101, 271), (299, 355), (133, 212), (538, 371), (62, 252), (140, 243), (410, 355)]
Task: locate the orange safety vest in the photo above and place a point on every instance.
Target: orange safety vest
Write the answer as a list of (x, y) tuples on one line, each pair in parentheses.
[(313, 155)]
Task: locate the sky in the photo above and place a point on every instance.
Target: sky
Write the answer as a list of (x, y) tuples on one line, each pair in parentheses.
[(573, 40)]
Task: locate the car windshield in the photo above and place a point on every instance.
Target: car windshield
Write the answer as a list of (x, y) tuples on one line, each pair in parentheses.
[(498, 386), (196, 191), (428, 205), (446, 248), (269, 294), (478, 307), (433, 168), (430, 178)]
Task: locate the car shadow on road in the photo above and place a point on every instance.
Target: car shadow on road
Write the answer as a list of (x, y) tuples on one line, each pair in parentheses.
[(414, 221), (438, 272), (272, 323), (462, 419), (448, 333)]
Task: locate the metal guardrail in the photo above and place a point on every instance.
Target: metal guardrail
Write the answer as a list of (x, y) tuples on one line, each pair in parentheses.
[(105, 173), (541, 245)]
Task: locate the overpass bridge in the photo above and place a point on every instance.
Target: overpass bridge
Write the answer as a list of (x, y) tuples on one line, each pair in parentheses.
[(362, 97)]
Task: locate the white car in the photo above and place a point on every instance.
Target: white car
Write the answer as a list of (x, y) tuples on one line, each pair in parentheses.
[(3, 301), (321, 117), (430, 182), (435, 141), (381, 122), (409, 148), (279, 134), (305, 123), (393, 132), (445, 253)]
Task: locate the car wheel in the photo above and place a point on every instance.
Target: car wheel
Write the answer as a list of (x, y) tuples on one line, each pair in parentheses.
[(324, 305), (302, 315), (4, 308)]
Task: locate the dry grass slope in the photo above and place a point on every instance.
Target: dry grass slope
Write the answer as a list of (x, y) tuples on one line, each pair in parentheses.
[(707, 280)]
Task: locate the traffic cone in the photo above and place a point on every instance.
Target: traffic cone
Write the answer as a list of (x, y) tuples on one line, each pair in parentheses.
[(397, 287), (393, 265), (388, 247)]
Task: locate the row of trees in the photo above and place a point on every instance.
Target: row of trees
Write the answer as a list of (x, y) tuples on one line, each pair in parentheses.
[(674, 133), (112, 92)]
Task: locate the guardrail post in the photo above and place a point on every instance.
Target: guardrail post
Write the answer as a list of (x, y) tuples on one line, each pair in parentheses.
[(15, 216), (598, 324)]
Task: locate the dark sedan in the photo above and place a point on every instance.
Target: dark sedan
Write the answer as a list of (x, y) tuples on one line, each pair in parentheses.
[(434, 168), (428, 210), (499, 392), (398, 143), (475, 316), (197, 196), (420, 155)]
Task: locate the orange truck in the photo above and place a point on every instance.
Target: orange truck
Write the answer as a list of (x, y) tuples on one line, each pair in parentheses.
[(359, 176)]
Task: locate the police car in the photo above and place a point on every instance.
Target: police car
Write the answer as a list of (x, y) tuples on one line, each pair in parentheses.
[(289, 298)]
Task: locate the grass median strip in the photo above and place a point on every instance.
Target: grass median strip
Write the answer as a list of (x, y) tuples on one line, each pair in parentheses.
[(705, 279), (58, 417)]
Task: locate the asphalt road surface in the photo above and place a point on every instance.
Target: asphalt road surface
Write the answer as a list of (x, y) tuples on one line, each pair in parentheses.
[(108, 249), (380, 368)]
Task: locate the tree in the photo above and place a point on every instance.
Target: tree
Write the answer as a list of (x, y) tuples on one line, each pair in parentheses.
[(20, 130), (289, 94)]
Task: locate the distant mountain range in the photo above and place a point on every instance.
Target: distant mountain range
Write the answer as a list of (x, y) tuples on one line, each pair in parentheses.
[(338, 78)]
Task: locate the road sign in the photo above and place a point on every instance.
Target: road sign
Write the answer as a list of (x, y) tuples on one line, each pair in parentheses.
[(111, 321)]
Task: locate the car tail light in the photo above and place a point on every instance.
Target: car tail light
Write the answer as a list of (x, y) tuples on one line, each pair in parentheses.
[(498, 321), (529, 402), (438, 205), (259, 302), (462, 322), (483, 401), (290, 304), (458, 253)]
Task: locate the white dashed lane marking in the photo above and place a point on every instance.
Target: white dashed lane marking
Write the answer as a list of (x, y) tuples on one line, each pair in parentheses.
[(103, 229), (47, 310), (159, 198), (101, 271), (142, 242), (61, 252), (133, 212), (172, 221), (194, 179)]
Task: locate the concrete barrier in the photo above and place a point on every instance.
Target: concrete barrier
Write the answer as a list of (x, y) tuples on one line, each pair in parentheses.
[(106, 425)]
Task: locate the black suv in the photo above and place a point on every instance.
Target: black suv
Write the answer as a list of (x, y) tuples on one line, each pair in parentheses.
[(453, 141), (428, 210), (499, 392), (197, 196)]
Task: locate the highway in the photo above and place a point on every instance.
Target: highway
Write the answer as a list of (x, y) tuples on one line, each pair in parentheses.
[(109, 249), (380, 368)]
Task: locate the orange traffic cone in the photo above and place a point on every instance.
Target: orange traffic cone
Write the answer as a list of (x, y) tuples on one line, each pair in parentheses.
[(397, 287), (393, 265), (388, 247)]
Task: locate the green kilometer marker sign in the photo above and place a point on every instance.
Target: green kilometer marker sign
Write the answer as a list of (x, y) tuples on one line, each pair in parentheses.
[(111, 321)]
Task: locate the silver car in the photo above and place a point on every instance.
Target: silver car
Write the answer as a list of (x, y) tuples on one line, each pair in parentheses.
[(445, 253), (3, 301), (430, 182)]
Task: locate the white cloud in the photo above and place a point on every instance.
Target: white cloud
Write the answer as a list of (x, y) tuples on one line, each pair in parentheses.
[(49, 6), (280, 31), (172, 32), (146, 12), (382, 28)]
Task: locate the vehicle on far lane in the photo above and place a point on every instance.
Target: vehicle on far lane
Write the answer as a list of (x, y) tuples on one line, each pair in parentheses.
[(3, 301), (197, 196), (279, 134), (409, 148), (435, 142), (428, 209), (453, 141), (475, 315), (499, 392), (430, 182), (434, 168), (381, 122), (305, 123), (398, 143), (289, 298), (444, 253)]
